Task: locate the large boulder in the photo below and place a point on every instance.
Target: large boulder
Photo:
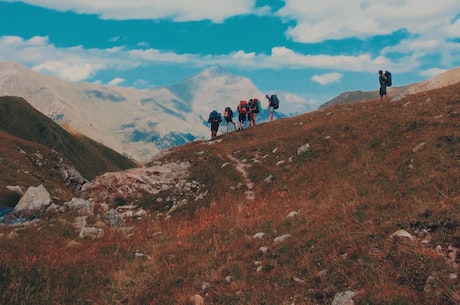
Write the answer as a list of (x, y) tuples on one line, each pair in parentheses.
[(33, 203)]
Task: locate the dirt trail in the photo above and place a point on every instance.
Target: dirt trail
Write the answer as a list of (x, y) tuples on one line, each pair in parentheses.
[(241, 167)]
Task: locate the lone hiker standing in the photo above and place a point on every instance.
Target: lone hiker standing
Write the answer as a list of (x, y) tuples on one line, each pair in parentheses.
[(273, 103), (383, 86)]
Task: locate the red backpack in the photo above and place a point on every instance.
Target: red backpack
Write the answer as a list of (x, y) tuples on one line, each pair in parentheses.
[(243, 107)]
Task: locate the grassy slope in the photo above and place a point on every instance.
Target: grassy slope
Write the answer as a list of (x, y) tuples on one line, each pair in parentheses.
[(371, 169), (18, 118)]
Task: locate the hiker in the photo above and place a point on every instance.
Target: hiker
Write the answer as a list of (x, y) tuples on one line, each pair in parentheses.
[(242, 113), (273, 103), (214, 119), (250, 113), (383, 86), (253, 110), (228, 116)]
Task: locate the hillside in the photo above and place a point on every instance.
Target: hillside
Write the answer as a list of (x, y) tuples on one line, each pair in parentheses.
[(358, 200), (396, 92), (35, 149)]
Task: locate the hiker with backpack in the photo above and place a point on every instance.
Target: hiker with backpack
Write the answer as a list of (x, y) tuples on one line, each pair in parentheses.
[(250, 113), (273, 103), (214, 119), (242, 114), (384, 81), (254, 109), (228, 116)]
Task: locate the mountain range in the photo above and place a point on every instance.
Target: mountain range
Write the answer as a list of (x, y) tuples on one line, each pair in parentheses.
[(136, 123)]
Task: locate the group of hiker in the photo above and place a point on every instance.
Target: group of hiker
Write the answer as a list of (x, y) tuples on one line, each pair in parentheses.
[(247, 112)]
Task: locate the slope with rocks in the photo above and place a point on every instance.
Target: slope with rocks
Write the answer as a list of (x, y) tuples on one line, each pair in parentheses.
[(354, 204)]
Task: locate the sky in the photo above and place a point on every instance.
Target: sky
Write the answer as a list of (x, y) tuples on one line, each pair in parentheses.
[(307, 48)]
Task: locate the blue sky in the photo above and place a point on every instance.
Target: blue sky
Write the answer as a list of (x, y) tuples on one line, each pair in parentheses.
[(312, 49)]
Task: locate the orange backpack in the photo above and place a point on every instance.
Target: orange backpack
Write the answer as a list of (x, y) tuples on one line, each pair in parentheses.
[(243, 107)]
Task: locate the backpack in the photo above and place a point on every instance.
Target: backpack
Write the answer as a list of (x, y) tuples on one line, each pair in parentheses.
[(243, 107), (275, 102), (228, 112), (214, 117), (388, 77)]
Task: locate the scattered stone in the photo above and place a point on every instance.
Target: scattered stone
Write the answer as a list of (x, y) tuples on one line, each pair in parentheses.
[(292, 214), (281, 239), (419, 147), (263, 250), (81, 206), (91, 232), (303, 149), (113, 219), (33, 203), (344, 298), (259, 235), (403, 233)]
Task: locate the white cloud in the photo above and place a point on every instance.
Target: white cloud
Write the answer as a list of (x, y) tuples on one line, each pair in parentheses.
[(317, 21), (66, 70), (327, 78), (116, 81), (78, 64), (178, 10)]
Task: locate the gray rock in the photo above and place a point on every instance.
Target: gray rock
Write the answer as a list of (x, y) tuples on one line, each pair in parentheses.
[(81, 206), (113, 219), (33, 203), (91, 232)]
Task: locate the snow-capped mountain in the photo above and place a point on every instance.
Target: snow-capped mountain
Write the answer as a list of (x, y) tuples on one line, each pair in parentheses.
[(137, 123)]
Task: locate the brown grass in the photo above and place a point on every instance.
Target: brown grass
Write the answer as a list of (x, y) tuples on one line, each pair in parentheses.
[(366, 175)]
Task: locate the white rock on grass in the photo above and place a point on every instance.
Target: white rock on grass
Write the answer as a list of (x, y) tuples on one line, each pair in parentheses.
[(259, 235), (281, 239), (344, 298), (403, 233)]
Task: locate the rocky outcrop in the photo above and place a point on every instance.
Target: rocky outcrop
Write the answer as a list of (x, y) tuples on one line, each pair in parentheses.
[(165, 183)]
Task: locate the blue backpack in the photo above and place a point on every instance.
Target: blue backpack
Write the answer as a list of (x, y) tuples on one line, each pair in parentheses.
[(214, 117), (388, 76), (275, 102)]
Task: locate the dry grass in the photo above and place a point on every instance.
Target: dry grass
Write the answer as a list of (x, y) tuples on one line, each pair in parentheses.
[(371, 169)]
